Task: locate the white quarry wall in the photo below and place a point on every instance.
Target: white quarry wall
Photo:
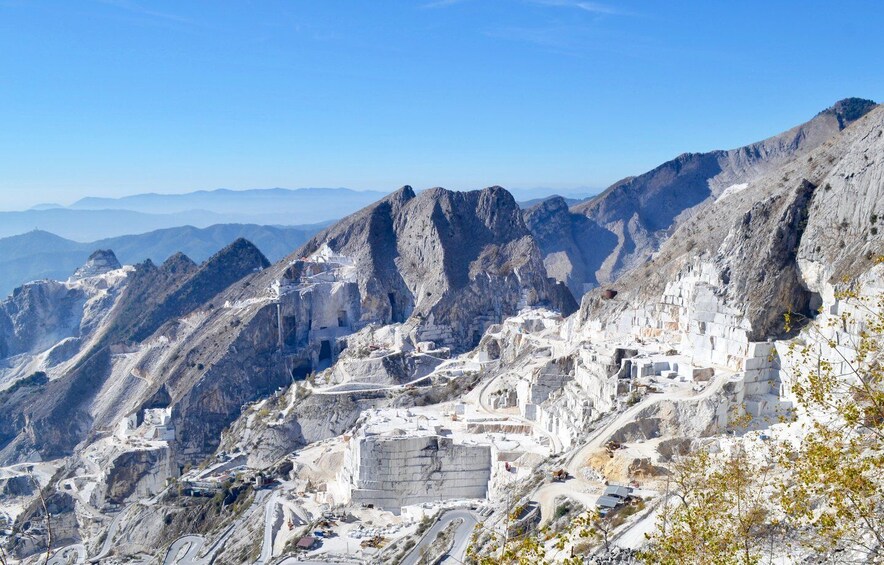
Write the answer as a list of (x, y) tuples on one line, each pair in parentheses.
[(836, 332), (394, 471), (311, 312)]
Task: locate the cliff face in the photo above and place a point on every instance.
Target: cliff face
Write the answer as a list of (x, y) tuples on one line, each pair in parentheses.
[(632, 218), (450, 257), (574, 246), (99, 380), (99, 263), (39, 315), (229, 265), (730, 271)]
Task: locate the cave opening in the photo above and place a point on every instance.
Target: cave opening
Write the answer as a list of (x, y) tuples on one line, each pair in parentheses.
[(396, 316), (325, 351), (301, 369)]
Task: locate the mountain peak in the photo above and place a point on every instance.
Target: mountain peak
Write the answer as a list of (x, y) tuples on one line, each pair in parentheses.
[(178, 262), (242, 251), (553, 204), (849, 110), (401, 196), (100, 262)]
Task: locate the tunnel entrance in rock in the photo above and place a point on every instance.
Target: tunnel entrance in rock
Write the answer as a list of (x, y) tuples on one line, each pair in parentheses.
[(301, 369), (814, 302), (342, 319), (325, 351), (477, 337), (394, 312)]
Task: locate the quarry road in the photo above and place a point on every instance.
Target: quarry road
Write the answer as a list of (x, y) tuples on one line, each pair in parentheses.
[(554, 444), (75, 554), (108, 539), (576, 461), (183, 551), (461, 537), (358, 386), (577, 487), (272, 523), (297, 561)]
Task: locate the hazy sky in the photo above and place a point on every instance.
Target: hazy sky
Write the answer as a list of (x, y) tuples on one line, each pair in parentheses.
[(112, 97)]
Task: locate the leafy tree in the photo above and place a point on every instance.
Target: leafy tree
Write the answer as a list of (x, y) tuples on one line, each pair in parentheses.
[(834, 494), (544, 547), (717, 512), (823, 489)]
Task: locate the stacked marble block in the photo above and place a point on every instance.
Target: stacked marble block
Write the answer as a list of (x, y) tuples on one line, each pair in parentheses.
[(391, 471), (532, 393), (567, 414), (440, 335), (565, 396), (837, 336), (719, 334)]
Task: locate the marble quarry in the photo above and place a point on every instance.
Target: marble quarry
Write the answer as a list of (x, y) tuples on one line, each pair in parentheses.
[(390, 471), (318, 305), (404, 458)]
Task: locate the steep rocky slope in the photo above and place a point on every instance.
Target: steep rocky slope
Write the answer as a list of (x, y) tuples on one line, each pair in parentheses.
[(629, 221), (456, 257), (369, 325), (87, 371), (779, 244)]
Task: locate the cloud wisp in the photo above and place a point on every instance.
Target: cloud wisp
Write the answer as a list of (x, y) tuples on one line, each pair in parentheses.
[(584, 5), (591, 7), (139, 10)]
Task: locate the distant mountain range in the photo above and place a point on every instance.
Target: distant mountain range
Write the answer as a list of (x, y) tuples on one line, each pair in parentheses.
[(93, 218), (274, 205), (524, 204), (43, 255)]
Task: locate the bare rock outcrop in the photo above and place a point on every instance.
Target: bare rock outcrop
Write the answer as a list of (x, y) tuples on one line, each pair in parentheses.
[(99, 263), (730, 271), (462, 260), (628, 222)]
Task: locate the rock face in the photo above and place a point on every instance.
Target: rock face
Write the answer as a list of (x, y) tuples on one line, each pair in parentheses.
[(453, 262), (39, 315), (141, 473), (84, 395), (730, 271), (33, 524), (99, 263), (629, 221), (758, 263), (179, 286), (574, 246)]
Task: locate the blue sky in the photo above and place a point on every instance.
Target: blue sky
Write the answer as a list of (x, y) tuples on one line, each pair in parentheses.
[(113, 97)]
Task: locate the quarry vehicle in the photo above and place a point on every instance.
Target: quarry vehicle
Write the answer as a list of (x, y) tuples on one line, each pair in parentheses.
[(376, 541), (560, 475)]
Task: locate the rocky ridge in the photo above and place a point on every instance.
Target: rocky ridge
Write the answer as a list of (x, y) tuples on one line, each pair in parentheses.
[(627, 223)]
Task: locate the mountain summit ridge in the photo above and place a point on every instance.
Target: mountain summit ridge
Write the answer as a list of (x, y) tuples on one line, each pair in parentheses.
[(641, 211)]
